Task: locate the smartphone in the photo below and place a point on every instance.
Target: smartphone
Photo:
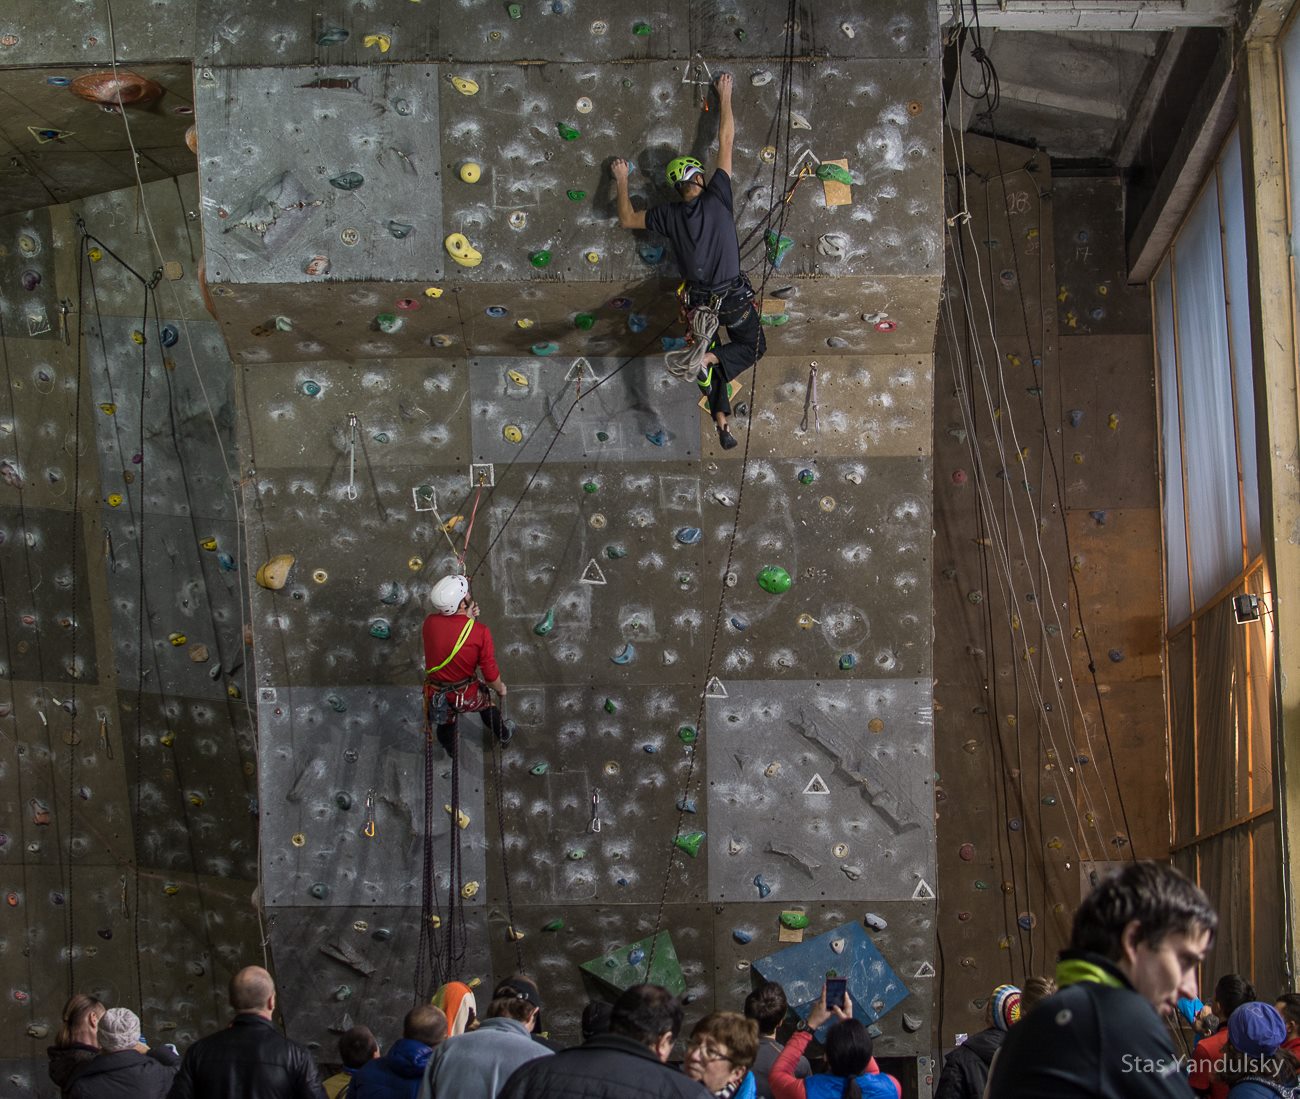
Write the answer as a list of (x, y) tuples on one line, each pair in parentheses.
[(837, 991)]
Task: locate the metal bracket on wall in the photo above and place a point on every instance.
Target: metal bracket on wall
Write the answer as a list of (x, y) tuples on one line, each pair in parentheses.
[(486, 470)]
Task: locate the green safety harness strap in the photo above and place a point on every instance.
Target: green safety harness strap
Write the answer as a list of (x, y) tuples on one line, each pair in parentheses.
[(460, 643)]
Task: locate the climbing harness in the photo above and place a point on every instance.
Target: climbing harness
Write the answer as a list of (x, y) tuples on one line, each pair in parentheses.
[(810, 401)]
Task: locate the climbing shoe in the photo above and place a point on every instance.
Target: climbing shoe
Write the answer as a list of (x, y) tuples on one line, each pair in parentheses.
[(705, 377), (507, 731), (726, 438)]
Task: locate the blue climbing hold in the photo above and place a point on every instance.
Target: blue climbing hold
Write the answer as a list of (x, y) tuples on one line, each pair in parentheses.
[(741, 936), (635, 956), (170, 335), (380, 629), (496, 310), (625, 655), (690, 536), (659, 438), (226, 562), (763, 888), (544, 349), (673, 343), (651, 253), (1116, 655), (687, 805), (1014, 824), (1076, 417), (739, 622), (637, 322), (848, 662), (650, 749), (1098, 517)]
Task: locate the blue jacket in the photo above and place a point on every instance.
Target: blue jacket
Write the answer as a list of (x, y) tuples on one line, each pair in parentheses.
[(874, 1085), (396, 1075)]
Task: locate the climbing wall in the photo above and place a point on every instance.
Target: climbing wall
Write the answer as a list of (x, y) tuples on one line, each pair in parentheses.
[(1044, 412), (129, 842), (389, 395)]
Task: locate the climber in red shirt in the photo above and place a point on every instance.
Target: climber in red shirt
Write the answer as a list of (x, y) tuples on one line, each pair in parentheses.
[(460, 665)]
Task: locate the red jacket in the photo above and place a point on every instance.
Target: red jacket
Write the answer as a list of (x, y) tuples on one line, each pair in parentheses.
[(1205, 1058), (441, 632), (785, 1085)]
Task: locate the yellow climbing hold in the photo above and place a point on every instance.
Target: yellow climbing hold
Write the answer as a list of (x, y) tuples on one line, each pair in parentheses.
[(512, 433), (464, 253), (452, 523), (525, 322), (464, 85), (108, 408), (177, 639), (469, 890), (320, 576), (275, 572), (95, 255), (209, 544), (593, 257), (433, 292), (516, 377), (470, 172), (137, 337), (462, 817), (513, 935), (381, 40), (415, 564), (114, 499), (1112, 422)]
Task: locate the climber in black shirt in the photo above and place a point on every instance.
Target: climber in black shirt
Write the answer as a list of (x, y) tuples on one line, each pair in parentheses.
[(702, 231)]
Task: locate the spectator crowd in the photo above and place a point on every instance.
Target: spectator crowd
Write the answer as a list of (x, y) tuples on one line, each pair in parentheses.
[(1106, 1025)]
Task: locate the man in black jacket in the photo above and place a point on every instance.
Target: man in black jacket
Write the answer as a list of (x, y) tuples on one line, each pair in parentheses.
[(966, 1068), (626, 1063), (250, 1059), (123, 1068), (1134, 948)]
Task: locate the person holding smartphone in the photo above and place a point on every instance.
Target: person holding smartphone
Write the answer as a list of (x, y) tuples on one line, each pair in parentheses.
[(853, 1074)]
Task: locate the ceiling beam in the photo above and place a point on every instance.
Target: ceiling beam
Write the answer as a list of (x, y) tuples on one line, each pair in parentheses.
[(1093, 15)]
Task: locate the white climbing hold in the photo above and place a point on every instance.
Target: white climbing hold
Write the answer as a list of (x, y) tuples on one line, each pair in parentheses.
[(847, 30), (592, 574), (833, 245), (816, 785), (922, 892), (715, 689), (761, 79), (837, 945), (798, 122)]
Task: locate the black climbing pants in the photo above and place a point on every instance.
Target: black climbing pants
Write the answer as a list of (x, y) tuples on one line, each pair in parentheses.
[(745, 344), (446, 732)]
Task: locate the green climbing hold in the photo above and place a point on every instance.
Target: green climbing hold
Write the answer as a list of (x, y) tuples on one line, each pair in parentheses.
[(577, 854), (642, 30), (585, 321), (591, 487), (540, 258), (615, 552), (775, 320), (807, 476), (774, 579), (690, 843), (981, 885), (541, 350), (602, 436), (539, 769), (795, 921), (777, 247), (310, 388), (687, 734), (546, 625), (515, 11), (554, 925), (848, 662), (569, 133), (379, 629), (611, 707), (388, 322), (576, 196), (833, 173)]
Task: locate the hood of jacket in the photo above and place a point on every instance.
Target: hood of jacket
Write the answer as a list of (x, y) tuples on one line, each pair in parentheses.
[(985, 1043), (407, 1058)]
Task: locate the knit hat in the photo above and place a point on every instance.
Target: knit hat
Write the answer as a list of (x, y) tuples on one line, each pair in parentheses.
[(119, 1029), (1006, 1006), (1255, 1028)]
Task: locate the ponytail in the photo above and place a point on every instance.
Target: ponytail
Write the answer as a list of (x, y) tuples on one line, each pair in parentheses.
[(851, 1089)]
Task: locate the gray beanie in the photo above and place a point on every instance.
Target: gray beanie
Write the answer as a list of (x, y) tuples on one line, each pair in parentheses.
[(119, 1029)]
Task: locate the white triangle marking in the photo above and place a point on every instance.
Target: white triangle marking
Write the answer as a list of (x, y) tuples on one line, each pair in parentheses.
[(922, 892), (816, 785), (807, 154), (925, 969), (592, 574), (715, 689)]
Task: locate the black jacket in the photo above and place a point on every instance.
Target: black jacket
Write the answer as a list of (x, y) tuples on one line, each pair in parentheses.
[(1096, 1037), (127, 1074), (250, 1059), (966, 1068), (65, 1060), (607, 1066)]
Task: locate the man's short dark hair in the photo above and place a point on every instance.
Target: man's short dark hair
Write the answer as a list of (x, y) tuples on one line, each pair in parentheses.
[(1288, 1006), (645, 1013), (767, 1006), (426, 1024), (1231, 991), (595, 1019), (357, 1046), (515, 998), (1158, 897)]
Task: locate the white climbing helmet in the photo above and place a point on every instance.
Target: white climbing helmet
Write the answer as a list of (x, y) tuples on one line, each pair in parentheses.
[(448, 594)]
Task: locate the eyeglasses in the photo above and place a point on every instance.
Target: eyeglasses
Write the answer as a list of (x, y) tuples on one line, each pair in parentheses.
[(705, 1053)]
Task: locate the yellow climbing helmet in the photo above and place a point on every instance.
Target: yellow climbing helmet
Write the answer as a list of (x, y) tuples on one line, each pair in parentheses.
[(681, 168)]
